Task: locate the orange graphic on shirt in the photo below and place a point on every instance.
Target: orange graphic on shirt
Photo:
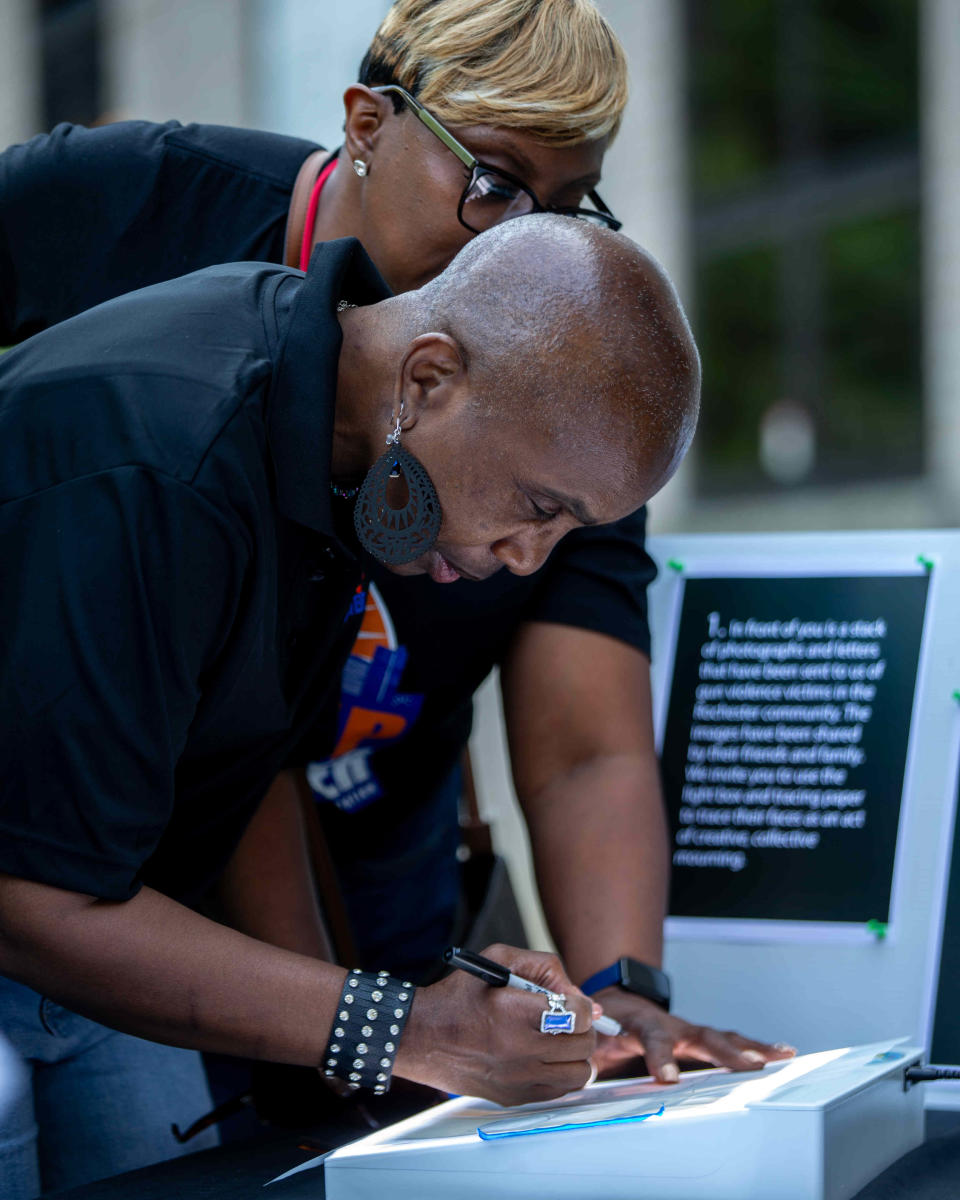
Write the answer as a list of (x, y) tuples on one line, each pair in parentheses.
[(376, 628), (370, 724)]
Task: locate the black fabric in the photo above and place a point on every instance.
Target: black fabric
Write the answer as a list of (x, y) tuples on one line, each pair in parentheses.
[(454, 633), (171, 616), (86, 213)]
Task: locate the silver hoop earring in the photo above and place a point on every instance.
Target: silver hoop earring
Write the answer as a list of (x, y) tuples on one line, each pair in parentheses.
[(360, 167)]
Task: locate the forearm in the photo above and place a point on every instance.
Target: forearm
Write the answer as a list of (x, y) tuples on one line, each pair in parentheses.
[(599, 842), (153, 968), (268, 889)]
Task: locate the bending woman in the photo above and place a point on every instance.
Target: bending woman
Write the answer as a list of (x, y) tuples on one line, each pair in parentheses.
[(467, 112)]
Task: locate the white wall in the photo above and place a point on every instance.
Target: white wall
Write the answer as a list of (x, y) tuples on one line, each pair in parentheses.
[(19, 73), (176, 58), (645, 174), (308, 53), (940, 96)]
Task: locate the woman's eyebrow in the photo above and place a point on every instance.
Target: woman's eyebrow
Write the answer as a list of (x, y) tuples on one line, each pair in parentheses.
[(572, 504)]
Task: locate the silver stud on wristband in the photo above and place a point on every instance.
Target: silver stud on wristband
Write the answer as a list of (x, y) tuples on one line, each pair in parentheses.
[(363, 1041)]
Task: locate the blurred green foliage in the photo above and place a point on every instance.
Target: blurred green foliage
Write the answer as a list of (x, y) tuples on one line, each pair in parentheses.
[(803, 94), (733, 87), (873, 336), (859, 63), (737, 334)]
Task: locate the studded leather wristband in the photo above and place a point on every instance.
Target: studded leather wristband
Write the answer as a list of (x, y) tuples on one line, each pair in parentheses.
[(366, 1031)]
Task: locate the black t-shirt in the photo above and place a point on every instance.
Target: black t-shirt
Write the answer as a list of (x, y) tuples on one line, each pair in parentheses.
[(89, 213), (177, 595)]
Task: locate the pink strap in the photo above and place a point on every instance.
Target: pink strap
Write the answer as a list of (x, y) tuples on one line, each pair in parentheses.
[(307, 244)]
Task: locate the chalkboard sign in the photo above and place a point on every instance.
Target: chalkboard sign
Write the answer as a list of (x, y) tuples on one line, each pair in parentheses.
[(785, 744), (945, 1043)]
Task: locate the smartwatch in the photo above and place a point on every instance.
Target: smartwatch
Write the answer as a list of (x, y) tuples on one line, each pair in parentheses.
[(633, 976)]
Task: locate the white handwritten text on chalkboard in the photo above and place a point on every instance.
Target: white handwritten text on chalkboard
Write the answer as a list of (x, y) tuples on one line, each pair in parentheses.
[(785, 743), (778, 722)]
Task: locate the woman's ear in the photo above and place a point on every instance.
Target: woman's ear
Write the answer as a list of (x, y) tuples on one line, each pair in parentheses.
[(364, 112), (433, 375)]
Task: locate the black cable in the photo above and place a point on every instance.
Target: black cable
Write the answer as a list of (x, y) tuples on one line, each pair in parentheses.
[(927, 1074)]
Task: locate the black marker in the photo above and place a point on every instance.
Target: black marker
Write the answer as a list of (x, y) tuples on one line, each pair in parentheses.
[(496, 974)]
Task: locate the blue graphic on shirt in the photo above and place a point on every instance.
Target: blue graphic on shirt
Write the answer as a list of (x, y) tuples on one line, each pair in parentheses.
[(373, 712)]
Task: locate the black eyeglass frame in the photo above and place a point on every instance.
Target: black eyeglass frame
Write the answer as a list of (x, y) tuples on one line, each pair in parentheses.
[(478, 168)]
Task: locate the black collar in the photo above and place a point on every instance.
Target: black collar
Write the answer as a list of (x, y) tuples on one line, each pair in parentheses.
[(302, 406)]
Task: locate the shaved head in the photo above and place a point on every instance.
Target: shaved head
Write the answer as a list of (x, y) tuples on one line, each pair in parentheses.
[(546, 380), (574, 328)]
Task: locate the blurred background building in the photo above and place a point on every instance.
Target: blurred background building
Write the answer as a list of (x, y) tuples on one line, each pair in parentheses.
[(793, 163)]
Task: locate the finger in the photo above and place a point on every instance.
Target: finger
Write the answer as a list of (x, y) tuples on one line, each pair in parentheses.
[(553, 1080), (658, 1051), (583, 1008), (544, 969), (752, 1053), (769, 1053), (566, 1047), (521, 1013), (731, 1049)]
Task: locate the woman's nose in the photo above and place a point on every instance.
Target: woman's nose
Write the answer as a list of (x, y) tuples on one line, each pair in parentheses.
[(526, 551)]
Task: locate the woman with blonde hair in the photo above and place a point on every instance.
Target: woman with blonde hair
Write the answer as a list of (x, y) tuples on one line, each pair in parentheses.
[(466, 113)]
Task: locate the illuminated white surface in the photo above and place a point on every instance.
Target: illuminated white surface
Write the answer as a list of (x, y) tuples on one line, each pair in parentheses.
[(816, 1128)]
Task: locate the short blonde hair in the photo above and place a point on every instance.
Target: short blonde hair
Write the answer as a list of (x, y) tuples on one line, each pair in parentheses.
[(551, 68)]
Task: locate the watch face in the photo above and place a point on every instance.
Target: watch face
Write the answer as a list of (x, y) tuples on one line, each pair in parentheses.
[(645, 981)]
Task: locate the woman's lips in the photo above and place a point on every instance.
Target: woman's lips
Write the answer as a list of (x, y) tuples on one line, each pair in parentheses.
[(440, 571)]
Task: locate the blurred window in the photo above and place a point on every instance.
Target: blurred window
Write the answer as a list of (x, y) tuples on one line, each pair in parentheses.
[(805, 180), (70, 57)]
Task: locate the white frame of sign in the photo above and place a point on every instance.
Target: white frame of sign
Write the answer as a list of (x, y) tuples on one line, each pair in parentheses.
[(894, 978)]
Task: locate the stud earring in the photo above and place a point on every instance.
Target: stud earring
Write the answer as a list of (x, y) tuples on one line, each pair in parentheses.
[(396, 533), (360, 167)]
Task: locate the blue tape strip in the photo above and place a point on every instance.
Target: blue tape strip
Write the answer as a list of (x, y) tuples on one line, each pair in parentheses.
[(487, 1136)]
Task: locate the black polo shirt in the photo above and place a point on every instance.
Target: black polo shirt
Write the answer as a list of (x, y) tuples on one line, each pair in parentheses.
[(177, 593), (88, 213)]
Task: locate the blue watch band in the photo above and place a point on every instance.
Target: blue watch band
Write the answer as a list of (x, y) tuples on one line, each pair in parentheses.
[(632, 976), (601, 979)]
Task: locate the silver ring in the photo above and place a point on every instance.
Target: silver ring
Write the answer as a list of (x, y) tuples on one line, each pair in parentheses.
[(558, 1018)]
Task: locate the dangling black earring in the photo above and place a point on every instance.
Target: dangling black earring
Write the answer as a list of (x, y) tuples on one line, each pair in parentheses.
[(396, 535)]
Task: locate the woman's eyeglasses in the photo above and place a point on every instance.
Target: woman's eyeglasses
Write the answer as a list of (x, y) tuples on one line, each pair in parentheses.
[(491, 195)]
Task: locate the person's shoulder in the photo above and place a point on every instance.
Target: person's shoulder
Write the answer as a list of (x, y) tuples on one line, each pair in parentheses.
[(176, 363), (193, 324), (122, 146), (71, 158), (596, 578), (271, 157), (606, 547)]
